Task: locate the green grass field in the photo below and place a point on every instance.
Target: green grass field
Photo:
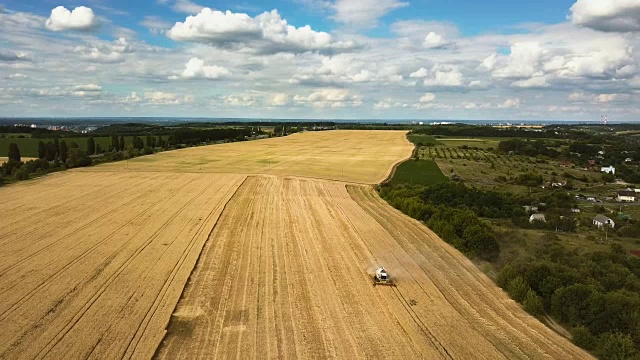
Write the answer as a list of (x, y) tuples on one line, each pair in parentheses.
[(420, 172), (29, 146), (424, 139)]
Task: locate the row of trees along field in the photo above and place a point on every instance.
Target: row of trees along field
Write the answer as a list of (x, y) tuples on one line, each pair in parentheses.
[(458, 225), (461, 130), (55, 156), (60, 154)]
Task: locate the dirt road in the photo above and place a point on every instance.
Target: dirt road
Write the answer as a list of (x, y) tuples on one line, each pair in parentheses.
[(286, 274)]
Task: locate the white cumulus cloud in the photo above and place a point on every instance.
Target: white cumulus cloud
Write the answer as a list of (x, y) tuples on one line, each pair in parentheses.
[(330, 98), (81, 18), (523, 62), (109, 53), (240, 100), (165, 98), (444, 76), (510, 103), (266, 33), (196, 69), (434, 41), (607, 15), (427, 98), (279, 99), (420, 73)]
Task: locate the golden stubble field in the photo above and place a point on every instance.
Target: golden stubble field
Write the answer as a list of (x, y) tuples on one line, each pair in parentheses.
[(351, 156), (93, 264)]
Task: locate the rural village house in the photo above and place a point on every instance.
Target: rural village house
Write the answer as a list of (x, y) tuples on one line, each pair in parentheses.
[(626, 196), (608, 170), (537, 217), (600, 221)]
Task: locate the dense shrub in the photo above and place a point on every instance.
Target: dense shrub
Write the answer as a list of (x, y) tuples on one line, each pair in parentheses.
[(456, 224), (597, 295)]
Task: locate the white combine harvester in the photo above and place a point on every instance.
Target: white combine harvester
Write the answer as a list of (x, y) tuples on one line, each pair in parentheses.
[(382, 277)]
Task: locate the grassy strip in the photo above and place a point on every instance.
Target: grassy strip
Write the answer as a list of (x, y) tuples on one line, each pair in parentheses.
[(423, 139), (418, 172)]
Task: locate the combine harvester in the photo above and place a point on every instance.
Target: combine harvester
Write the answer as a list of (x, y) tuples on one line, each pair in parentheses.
[(381, 277)]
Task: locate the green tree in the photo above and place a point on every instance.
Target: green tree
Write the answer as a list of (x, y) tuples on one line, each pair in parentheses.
[(533, 303), (572, 304), (64, 151), (22, 174), (121, 143), (582, 337), (481, 242), (42, 150), (151, 141), (115, 144), (505, 276), (91, 146), (14, 152), (138, 143), (78, 158), (518, 289), (51, 151), (616, 346), (56, 145)]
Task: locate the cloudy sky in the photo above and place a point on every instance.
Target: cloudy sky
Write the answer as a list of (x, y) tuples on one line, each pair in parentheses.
[(347, 59)]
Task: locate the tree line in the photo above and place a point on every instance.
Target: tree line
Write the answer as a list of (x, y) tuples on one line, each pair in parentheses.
[(52, 156), (597, 294), (491, 131), (59, 154), (452, 220)]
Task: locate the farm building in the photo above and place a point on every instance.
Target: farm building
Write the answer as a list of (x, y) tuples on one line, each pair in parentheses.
[(608, 170), (627, 196), (537, 217), (600, 221)]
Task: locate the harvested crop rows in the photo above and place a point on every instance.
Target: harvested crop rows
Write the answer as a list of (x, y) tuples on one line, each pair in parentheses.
[(102, 263), (286, 274), (351, 156), (93, 262)]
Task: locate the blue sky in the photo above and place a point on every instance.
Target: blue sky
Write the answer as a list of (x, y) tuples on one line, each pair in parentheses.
[(388, 59)]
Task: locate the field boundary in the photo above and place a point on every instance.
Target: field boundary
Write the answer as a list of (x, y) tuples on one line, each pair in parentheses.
[(395, 166)]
